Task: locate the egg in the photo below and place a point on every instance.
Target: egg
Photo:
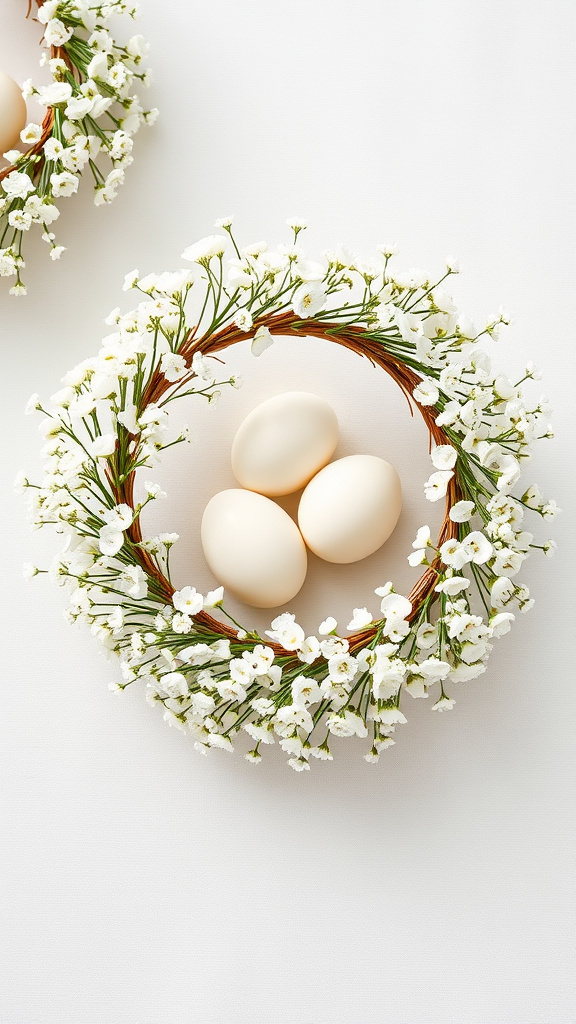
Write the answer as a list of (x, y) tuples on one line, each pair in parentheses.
[(350, 508), (13, 115), (283, 442), (253, 547)]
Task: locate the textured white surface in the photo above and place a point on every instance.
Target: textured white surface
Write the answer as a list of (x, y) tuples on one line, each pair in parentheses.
[(141, 883)]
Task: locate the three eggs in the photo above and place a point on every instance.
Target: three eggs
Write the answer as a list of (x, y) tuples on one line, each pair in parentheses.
[(347, 510)]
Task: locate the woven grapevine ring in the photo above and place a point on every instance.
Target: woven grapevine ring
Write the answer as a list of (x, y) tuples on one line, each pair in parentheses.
[(92, 113), (215, 679)]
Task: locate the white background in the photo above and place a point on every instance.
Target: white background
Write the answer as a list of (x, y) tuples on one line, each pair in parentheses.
[(143, 884)]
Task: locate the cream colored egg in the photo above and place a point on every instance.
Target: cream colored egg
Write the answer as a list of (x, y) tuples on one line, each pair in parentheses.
[(13, 116), (253, 548), (350, 508), (283, 442)]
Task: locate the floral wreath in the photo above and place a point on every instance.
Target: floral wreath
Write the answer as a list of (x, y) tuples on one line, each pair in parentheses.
[(91, 111), (214, 678)]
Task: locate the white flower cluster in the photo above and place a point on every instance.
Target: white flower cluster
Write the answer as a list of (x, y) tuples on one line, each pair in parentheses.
[(217, 681), (93, 111)]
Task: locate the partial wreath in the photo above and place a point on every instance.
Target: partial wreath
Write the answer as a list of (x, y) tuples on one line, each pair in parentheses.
[(215, 679), (93, 110)]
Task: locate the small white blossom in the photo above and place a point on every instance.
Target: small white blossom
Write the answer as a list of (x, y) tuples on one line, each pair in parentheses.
[(188, 601), (293, 716), (202, 367), (462, 511), (33, 404), (426, 393), (444, 456), (296, 223), (181, 623), (309, 650), (418, 557), (347, 723), (427, 636), (64, 184), (222, 742), (342, 668), (444, 703), (261, 341), (214, 598), (477, 547), (395, 606), (550, 510), (55, 95), (327, 626), (423, 538), (452, 585), (173, 366), (360, 619), (120, 517), (17, 185), (111, 540), (203, 250), (333, 645), (437, 485), (500, 623), (286, 631), (31, 133), (502, 592), (102, 446), (308, 300), (433, 669), (57, 33), (391, 717), (243, 319), (173, 684)]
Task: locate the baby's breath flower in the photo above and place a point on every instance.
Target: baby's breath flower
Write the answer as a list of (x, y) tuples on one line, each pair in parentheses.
[(462, 511), (261, 341), (308, 300), (426, 393), (243, 319), (361, 618), (444, 703), (444, 456), (329, 625), (188, 600), (297, 224), (205, 249), (437, 485)]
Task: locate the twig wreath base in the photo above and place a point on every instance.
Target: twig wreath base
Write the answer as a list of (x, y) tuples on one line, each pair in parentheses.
[(92, 112), (214, 678)]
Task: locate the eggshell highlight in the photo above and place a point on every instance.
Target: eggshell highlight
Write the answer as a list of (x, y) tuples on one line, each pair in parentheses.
[(13, 114), (350, 508), (253, 547), (283, 442)]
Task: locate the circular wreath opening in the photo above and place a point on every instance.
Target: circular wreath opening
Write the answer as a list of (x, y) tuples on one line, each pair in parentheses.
[(215, 678), (285, 325)]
